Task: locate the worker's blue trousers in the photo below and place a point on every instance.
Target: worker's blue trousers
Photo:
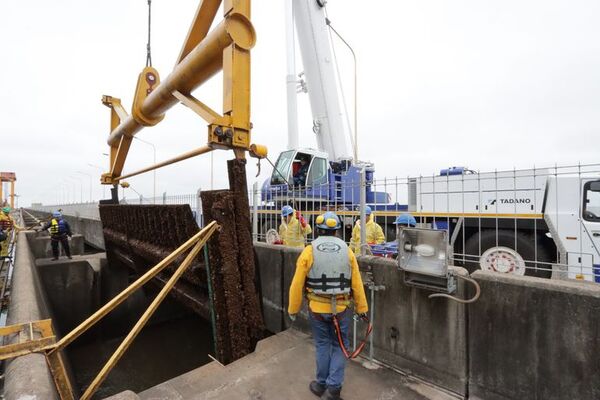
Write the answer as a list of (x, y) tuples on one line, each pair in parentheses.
[(331, 361)]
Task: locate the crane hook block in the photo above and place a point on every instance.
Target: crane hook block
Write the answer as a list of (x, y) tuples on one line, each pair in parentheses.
[(148, 80)]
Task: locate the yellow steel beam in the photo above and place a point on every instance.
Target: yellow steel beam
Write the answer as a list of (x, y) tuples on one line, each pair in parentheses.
[(237, 6), (121, 297), (31, 343), (59, 375), (12, 194), (205, 14), (181, 157), (204, 53), (204, 61), (204, 111)]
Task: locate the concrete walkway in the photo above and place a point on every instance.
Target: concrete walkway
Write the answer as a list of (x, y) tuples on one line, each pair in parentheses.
[(281, 368)]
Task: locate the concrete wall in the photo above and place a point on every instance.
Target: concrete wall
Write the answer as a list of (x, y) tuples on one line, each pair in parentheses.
[(526, 338), (27, 377), (91, 229), (41, 247), (423, 337), (72, 288), (533, 338)]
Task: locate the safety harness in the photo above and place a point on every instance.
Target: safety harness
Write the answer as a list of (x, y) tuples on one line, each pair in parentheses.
[(346, 301), (323, 283)]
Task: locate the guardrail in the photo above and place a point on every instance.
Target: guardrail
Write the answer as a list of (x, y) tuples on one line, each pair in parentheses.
[(539, 221)]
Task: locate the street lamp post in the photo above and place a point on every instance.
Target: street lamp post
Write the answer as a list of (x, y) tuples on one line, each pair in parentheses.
[(90, 176), (74, 188), (153, 163), (80, 188), (102, 170)]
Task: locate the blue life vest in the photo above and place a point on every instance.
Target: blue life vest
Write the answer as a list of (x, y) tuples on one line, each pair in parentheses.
[(58, 227)]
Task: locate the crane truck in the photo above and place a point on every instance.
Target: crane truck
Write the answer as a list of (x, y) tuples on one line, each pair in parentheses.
[(541, 222), (333, 175)]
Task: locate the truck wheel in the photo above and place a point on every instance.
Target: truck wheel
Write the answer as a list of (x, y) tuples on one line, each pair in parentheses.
[(499, 254), (264, 228)]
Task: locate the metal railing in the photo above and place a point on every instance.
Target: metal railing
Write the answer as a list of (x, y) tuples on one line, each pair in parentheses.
[(539, 221), (533, 221), (90, 210)]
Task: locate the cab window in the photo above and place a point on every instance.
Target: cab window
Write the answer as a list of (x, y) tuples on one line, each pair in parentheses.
[(281, 172), (300, 169), (591, 201), (318, 172)]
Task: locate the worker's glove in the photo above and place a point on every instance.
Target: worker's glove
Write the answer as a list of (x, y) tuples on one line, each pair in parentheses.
[(292, 317), (302, 221), (278, 242), (363, 316)]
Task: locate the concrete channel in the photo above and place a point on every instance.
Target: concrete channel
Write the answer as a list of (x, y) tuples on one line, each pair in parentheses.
[(526, 338)]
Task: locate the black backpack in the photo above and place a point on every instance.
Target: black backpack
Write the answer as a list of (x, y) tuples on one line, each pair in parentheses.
[(3, 236)]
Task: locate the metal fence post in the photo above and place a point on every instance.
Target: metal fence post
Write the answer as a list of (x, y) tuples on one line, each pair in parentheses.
[(363, 216), (199, 220), (255, 200), (164, 197)]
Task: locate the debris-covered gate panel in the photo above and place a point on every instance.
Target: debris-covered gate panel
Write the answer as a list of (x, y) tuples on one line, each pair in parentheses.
[(140, 236)]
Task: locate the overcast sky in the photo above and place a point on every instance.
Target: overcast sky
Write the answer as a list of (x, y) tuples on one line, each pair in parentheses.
[(486, 84)]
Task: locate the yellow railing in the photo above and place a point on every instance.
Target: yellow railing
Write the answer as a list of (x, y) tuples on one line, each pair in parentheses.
[(39, 337)]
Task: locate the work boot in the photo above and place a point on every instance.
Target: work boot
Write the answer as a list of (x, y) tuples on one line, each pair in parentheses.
[(316, 388), (70, 258), (332, 394)]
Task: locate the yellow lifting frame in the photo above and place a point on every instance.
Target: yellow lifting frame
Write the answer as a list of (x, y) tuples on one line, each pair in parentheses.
[(39, 337), (204, 53)]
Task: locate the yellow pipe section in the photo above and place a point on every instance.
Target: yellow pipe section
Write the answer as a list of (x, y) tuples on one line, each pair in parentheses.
[(181, 157), (203, 62)]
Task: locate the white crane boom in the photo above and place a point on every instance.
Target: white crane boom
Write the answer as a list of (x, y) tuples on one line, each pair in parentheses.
[(330, 123)]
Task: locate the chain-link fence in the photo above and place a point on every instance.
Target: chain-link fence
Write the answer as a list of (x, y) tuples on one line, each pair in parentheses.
[(540, 221), (90, 210)]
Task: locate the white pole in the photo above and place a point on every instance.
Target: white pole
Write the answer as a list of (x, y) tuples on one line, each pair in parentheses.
[(212, 175), (199, 208), (255, 211), (89, 176), (103, 186), (291, 79)]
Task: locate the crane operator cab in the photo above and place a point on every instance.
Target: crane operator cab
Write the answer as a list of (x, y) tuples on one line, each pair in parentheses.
[(301, 169), (308, 176)]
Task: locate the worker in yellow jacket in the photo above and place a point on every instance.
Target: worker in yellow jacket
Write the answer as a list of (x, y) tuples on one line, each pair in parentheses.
[(7, 224), (374, 232), (327, 272), (293, 229)]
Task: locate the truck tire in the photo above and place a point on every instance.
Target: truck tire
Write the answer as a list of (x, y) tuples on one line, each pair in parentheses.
[(502, 253)]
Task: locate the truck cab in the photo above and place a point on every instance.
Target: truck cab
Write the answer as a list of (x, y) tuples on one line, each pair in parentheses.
[(301, 168), (306, 175)]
